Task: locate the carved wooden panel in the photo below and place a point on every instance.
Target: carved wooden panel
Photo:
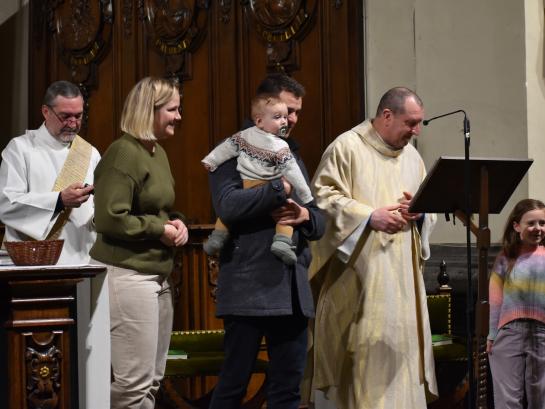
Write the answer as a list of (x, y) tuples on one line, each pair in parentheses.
[(281, 24), (44, 369), (39, 365), (194, 283), (82, 31), (175, 28), (38, 361), (220, 50)]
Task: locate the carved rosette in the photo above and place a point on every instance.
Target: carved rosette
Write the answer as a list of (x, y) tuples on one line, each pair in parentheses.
[(43, 372), (83, 31), (280, 24), (176, 28)]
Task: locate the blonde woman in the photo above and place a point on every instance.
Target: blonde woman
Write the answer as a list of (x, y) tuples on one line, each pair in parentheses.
[(137, 231)]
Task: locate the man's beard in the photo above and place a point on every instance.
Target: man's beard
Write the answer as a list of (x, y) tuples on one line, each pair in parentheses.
[(68, 134)]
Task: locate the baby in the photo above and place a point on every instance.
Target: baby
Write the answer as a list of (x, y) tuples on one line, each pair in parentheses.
[(262, 155)]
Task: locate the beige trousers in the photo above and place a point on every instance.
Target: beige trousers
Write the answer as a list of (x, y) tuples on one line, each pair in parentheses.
[(141, 314)]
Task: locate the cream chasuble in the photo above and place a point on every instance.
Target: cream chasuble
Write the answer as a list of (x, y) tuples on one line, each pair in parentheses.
[(371, 342), (29, 169)]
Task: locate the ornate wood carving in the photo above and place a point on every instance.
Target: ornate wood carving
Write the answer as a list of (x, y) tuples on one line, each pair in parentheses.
[(225, 9), (127, 17), (194, 282), (213, 271), (176, 29), (37, 313), (281, 24), (83, 30), (43, 370)]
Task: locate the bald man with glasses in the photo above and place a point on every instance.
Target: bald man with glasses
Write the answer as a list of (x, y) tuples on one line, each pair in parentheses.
[(46, 179)]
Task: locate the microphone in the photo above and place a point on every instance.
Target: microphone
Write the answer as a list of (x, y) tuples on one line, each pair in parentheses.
[(425, 122)]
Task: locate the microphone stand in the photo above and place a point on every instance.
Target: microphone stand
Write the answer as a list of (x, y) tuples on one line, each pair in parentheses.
[(470, 301)]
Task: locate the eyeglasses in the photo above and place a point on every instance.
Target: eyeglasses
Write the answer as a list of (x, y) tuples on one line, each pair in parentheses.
[(65, 118)]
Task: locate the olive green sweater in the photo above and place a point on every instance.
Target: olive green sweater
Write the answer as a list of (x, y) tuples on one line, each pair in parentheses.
[(134, 194)]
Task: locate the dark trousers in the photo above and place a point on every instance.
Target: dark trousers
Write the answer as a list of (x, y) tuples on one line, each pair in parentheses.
[(286, 338)]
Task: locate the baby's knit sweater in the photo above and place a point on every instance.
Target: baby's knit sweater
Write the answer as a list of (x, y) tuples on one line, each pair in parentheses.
[(520, 294)]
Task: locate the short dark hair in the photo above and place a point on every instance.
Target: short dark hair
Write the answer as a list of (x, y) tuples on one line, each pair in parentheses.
[(63, 88), (274, 84), (394, 100)]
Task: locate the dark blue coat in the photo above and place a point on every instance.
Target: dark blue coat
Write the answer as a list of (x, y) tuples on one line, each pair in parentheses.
[(252, 281)]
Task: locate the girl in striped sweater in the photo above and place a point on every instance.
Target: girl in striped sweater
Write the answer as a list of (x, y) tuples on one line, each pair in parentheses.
[(516, 340)]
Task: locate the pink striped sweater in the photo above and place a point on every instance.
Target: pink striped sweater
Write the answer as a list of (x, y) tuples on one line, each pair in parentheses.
[(519, 294)]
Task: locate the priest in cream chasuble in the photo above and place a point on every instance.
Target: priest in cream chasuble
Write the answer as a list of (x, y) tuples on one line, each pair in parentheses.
[(371, 342)]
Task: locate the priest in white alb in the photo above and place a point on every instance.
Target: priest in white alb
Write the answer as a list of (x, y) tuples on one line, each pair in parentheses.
[(46, 181), (371, 341)]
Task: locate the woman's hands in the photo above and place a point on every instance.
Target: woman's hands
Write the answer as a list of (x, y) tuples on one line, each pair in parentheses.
[(175, 234)]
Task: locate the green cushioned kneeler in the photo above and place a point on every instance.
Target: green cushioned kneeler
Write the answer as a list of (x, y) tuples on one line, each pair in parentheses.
[(203, 365), (205, 354), (205, 347), (439, 311), (451, 352), (197, 341)]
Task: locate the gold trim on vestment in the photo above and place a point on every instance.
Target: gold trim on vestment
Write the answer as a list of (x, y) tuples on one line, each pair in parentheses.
[(73, 170)]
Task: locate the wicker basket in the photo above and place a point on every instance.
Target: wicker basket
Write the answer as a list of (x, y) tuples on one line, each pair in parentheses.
[(34, 253)]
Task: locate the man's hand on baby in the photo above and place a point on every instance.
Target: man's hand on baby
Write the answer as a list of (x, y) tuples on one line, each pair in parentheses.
[(290, 214)]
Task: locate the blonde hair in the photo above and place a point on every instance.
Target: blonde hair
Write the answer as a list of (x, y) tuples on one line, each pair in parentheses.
[(148, 95), (260, 101)]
